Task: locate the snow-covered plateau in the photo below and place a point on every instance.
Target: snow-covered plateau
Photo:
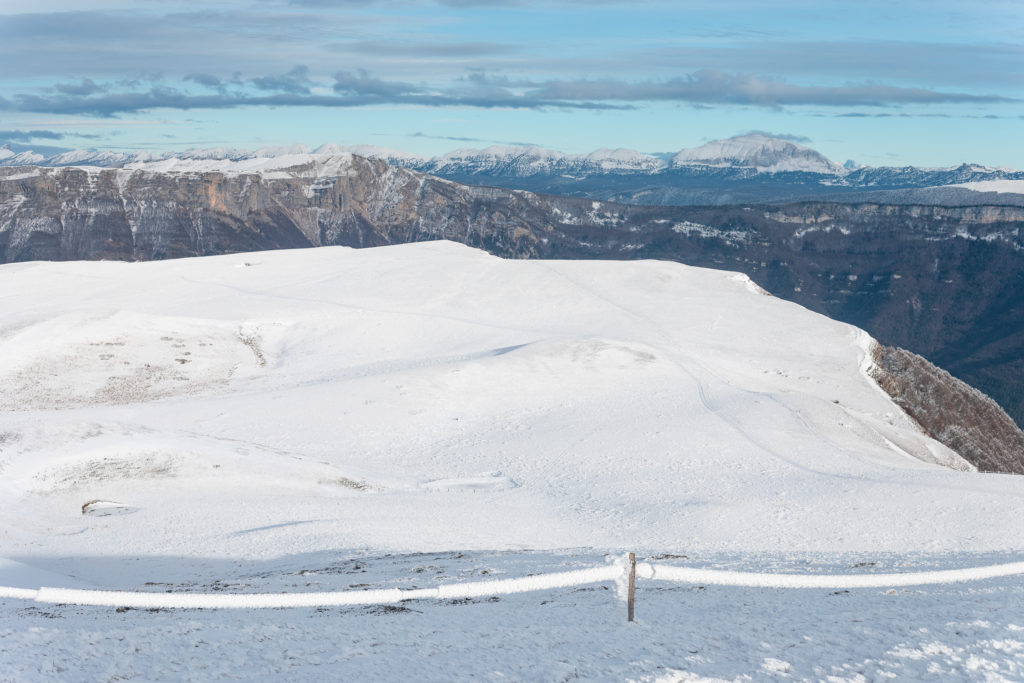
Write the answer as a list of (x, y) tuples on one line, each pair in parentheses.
[(336, 419), (1007, 186)]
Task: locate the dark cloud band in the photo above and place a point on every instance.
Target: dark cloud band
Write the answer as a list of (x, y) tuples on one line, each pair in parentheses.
[(359, 88)]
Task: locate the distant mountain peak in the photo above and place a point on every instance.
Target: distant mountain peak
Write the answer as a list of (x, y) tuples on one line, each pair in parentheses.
[(532, 160), (758, 151)]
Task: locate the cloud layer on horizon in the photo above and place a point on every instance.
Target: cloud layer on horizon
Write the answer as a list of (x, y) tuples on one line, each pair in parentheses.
[(357, 89)]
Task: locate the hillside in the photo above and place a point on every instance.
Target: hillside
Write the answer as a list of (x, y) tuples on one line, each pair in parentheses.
[(380, 381), (338, 419)]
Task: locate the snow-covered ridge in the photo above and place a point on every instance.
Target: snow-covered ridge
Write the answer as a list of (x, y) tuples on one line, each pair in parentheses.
[(533, 160), (1004, 185), (758, 152), (743, 155), (298, 164), (272, 162)]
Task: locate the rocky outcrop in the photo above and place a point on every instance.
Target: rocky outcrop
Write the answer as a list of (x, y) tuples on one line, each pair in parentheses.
[(74, 213), (950, 411)]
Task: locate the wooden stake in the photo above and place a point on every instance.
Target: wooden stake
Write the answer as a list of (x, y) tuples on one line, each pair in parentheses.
[(631, 595)]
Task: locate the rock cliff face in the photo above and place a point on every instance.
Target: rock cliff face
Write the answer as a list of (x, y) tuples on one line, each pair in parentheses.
[(950, 411), (75, 213), (941, 281)]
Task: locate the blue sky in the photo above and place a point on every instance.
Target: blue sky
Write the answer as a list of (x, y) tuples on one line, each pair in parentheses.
[(884, 83)]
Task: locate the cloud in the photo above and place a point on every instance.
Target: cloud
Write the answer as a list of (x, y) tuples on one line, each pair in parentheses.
[(27, 140), (331, 4), (295, 81), (393, 48), (362, 83), (803, 139), (113, 45), (905, 115), (959, 63), (716, 87), (352, 92), (209, 80), (360, 88), (25, 135), (462, 139), (86, 87)]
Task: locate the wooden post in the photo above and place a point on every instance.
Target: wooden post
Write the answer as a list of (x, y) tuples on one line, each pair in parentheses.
[(631, 595)]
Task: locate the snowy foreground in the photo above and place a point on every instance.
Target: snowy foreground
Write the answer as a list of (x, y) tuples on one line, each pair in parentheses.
[(426, 414)]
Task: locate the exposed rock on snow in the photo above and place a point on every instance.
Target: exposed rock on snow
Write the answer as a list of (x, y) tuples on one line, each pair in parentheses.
[(952, 412)]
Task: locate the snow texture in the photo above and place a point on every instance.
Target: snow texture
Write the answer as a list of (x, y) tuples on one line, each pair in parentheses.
[(426, 415), (1003, 185)]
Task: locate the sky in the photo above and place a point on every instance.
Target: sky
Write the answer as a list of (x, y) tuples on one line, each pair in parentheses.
[(887, 83)]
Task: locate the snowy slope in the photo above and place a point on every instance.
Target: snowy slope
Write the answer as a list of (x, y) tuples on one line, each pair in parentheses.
[(1008, 186), (289, 420), (428, 393)]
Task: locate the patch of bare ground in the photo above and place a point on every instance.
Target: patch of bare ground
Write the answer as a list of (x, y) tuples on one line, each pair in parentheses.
[(146, 465), (253, 341)]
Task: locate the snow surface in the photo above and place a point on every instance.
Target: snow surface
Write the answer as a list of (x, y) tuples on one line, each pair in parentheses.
[(1005, 185), (421, 415), (291, 163)]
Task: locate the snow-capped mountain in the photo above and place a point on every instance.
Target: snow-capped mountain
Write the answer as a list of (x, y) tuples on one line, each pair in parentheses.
[(747, 168), (521, 161), (760, 152)]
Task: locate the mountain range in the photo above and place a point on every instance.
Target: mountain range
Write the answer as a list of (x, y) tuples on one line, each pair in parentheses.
[(747, 168)]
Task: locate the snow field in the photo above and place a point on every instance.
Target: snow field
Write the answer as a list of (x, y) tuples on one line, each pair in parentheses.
[(431, 398), (1003, 185), (420, 397), (683, 632)]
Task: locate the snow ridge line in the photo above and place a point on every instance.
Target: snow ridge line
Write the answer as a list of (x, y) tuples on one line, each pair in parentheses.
[(613, 572)]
